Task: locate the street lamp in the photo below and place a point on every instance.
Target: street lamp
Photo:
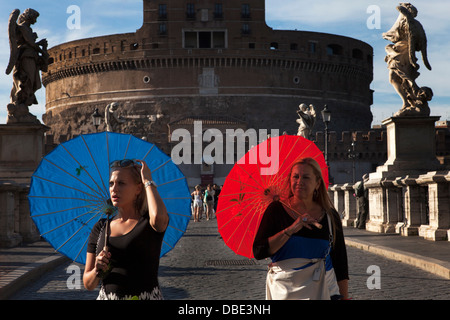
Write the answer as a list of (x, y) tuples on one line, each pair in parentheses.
[(326, 116), (96, 119), (352, 155)]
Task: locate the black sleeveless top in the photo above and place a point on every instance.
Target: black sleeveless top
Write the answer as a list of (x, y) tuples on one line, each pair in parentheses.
[(134, 261)]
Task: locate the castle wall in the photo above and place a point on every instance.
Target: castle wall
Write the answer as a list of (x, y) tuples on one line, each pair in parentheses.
[(369, 152), (249, 70)]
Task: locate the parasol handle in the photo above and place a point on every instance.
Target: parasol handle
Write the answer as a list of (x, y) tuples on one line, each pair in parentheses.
[(102, 273), (105, 247)]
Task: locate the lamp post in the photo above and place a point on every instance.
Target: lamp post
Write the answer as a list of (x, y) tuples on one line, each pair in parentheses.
[(326, 116), (96, 119), (352, 155)]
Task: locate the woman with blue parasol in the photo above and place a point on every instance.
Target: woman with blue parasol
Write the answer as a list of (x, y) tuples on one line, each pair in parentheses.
[(123, 254), (76, 186)]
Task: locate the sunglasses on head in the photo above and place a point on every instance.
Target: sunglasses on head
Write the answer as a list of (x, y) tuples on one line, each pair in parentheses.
[(124, 163)]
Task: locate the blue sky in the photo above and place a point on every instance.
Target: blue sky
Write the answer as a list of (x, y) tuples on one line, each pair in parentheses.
[(342, 17)]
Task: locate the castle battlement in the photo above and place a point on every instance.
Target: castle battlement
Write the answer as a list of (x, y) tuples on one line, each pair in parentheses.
[(367, 145), (203, 59)]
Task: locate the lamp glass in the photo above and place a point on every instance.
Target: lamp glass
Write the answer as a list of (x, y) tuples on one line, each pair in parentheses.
[(326, 115), (96, 118)]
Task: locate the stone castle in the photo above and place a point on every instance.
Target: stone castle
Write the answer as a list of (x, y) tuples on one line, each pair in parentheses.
[(219, 63), (209, 60)]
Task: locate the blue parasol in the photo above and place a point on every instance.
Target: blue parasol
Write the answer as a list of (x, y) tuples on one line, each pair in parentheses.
[(69, 190)]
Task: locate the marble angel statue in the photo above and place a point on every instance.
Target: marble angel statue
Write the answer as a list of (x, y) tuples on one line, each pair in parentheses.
[(408, 37), (306, 120), (27, 58)]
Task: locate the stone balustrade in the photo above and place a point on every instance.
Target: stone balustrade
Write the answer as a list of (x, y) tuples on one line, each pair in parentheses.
[(16, 225), (409, 205)]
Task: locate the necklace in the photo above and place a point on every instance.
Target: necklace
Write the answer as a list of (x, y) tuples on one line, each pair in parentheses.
[(295, 214)]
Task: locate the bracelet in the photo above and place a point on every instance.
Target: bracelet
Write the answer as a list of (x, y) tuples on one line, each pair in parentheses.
[(288, 235), (150, 183)]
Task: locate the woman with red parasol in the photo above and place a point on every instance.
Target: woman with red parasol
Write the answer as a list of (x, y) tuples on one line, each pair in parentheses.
[(304, 238)]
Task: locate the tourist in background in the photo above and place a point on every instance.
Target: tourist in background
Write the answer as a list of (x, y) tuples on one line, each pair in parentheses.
[(197, 202), (362, 200), (216, 196), (209, 200)]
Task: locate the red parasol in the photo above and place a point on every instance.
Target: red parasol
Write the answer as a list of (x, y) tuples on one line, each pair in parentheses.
[(256, 180)]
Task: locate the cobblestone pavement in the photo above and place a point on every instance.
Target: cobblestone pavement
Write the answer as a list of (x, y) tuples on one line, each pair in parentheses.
[(202, 267)]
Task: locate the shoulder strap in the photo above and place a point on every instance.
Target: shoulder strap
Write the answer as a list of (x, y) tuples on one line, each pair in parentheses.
[(329, 225), (330, 240)]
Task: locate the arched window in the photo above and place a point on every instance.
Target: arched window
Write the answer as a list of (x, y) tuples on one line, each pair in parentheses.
[(334, 50)]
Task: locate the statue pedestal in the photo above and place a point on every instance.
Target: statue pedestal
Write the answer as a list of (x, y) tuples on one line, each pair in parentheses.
[(411, 146), (21, 150)]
